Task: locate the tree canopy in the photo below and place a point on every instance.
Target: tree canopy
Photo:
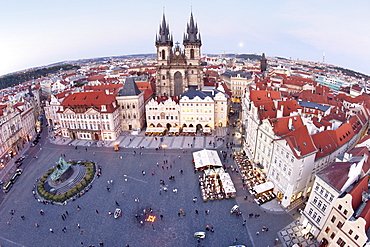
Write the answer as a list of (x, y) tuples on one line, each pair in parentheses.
[(17, 78)]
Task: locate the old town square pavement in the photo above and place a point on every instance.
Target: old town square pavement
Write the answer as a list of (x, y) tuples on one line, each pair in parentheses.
[(87, 227)]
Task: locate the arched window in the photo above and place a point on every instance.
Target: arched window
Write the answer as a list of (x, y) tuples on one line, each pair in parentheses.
[(163, 77), (133, 106), (128, 106), (123, 117), (192, 53), (162, 115), (123, 107), (134, 116)]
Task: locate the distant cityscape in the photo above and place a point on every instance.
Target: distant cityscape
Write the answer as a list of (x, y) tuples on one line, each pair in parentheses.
[(303, 125)]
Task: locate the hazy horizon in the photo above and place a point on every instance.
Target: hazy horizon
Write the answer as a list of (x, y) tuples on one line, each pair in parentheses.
[(40, 33)]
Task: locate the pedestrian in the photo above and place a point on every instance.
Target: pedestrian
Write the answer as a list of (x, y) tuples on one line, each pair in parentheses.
[(117, 203), (66, 212), (97, 211), (86, 149), (108, 189), (22, 217), (235, 240), (78, 208), (195, 199), (179, 214), (63, 217), (196, 211), (244, 222), (51, 230), (257, 233), (207, 211), (161, 216), (78, 226)]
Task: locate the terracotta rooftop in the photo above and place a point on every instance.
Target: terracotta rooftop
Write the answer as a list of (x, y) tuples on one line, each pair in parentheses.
[(280, 126), (324, 143), (336, 174), (85, 100), (300, 142)]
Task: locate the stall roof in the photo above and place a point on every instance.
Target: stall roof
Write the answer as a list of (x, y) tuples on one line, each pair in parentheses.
[(263, 187), (207, 129), (189, 129), (206, 158), (174, 129), (155, 129)]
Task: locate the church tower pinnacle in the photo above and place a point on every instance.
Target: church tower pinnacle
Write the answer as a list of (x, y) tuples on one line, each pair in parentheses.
[(178, 71)]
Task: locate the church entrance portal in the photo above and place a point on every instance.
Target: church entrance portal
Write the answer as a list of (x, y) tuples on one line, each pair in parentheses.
[(178, 84)]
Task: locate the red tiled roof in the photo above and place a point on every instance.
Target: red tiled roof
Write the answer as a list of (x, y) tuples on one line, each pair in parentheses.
[(148, 93), (112, 88), (357, 190), (324, 143), (165, 98), (300, 142), (360, 152), (86, 100), (342, 135), (365, 214), (289, 106), (62, 94), (261, 96), (266, 109), (336, 174), (280, 126)]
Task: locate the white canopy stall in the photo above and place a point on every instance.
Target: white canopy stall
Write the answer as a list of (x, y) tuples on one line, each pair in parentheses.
[(227, 185), (206, 158), (263, 187)]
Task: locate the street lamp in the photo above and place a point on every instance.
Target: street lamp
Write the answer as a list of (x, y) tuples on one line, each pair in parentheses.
[(164, 148)]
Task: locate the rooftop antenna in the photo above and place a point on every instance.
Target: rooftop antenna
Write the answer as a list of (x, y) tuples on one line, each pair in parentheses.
[(323, 57)]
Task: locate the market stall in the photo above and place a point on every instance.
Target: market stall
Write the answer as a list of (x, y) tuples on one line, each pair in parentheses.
[(215, 183), (189, 131), (206, 159), (155, 131), (174, 131), (254, 180)]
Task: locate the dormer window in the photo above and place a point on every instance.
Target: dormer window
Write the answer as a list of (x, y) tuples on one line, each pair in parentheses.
[(103, 108)]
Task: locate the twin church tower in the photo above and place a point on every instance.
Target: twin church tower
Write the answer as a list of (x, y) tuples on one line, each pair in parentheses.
[(178, 69)]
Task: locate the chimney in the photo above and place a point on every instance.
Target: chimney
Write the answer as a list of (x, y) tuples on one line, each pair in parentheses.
[(280, 111), (290, 124)]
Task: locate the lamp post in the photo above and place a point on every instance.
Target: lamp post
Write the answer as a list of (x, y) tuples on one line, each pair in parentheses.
[(164, 148)]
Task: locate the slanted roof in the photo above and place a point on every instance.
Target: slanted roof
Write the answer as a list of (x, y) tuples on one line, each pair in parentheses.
[(357, 190), (261, 96), (336, 174), (313, 105), (280, 126), (365, 214), (343, 134), (206, 158), (324, 143), (300, 142), (129, 88)]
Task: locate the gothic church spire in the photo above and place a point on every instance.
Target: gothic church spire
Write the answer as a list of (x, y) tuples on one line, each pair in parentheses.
[(164, 36), (191, 35)]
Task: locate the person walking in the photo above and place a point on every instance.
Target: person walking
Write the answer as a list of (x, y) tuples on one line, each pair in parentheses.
[(97, 211), (51, 230)]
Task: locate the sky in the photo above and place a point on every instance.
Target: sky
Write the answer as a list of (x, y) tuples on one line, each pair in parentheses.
[(41, 32)]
